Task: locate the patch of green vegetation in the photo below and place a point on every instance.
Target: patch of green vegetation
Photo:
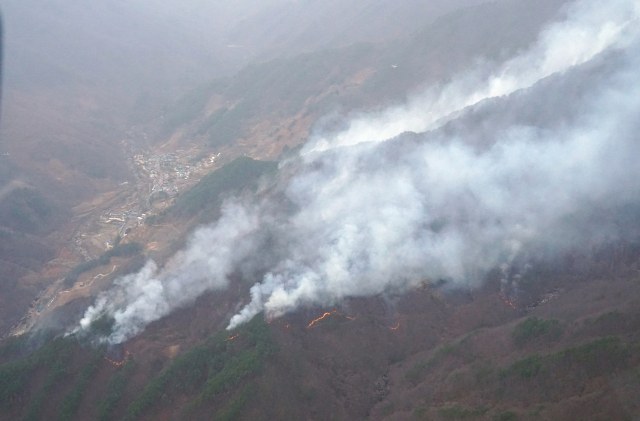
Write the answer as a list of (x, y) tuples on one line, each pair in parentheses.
[(607, 323), (601, 356), (19, 253), (212, 120), (123, 250), (388, 409), (115, 391), (239, 174), (455, 348), (187, 108), (39, 205), (286, 83), (534, 327), (71, 401), (245, 363), (527, 367), (457, 412), (229, 126), (27, 210), (505, 416), (93, 159), (72, 276), (416, 373), (534, 412), (595, 358), (283, 85), (214, 365), (152, 392), (102, 326), (420, 412), (57, 372), (120, 250), (259, 336), (242, 364), (483, 374), (14, 375), (14, 345), (236, 406), (611, 316)]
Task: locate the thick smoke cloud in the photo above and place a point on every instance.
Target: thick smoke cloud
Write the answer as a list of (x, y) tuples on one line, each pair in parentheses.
[(363, 216), (590, 28), (387, 216)]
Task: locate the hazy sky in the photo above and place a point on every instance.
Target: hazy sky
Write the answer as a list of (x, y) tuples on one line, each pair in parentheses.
[(47, 40)]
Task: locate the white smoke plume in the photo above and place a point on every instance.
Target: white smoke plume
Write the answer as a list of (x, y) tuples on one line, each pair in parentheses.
[(374, 218), (363, 224), (591, 27), (212, 253), (365, 216)]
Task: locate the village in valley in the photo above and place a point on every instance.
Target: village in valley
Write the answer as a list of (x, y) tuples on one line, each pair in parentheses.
[(159, 177)]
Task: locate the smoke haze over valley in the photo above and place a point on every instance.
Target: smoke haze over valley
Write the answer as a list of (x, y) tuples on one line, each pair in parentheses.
[(364, 216)]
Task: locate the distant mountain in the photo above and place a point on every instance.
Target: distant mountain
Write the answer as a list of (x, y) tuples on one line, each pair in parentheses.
[(307, 25), (291, 93)]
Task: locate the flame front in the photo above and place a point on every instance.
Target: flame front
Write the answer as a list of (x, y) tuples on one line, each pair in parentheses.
[(507, 301), (328, 314), (233, 337), (319, 318), (126, 354)]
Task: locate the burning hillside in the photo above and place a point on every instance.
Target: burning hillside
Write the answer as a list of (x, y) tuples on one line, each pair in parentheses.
[(358, 215)]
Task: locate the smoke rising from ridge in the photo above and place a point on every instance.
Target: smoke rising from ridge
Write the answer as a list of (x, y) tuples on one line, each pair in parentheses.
[(591, 27), (386, 219), (212, 253), (365, 216)]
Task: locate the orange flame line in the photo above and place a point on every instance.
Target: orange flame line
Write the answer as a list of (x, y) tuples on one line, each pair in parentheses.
[(233, 337), (121, 362), (328, 314), (507, 301), (319, 318), (394, 328), (280, 321)]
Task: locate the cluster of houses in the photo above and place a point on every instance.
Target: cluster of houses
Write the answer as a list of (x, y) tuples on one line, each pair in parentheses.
[(124, 221), (112, 217), (168, 170)]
